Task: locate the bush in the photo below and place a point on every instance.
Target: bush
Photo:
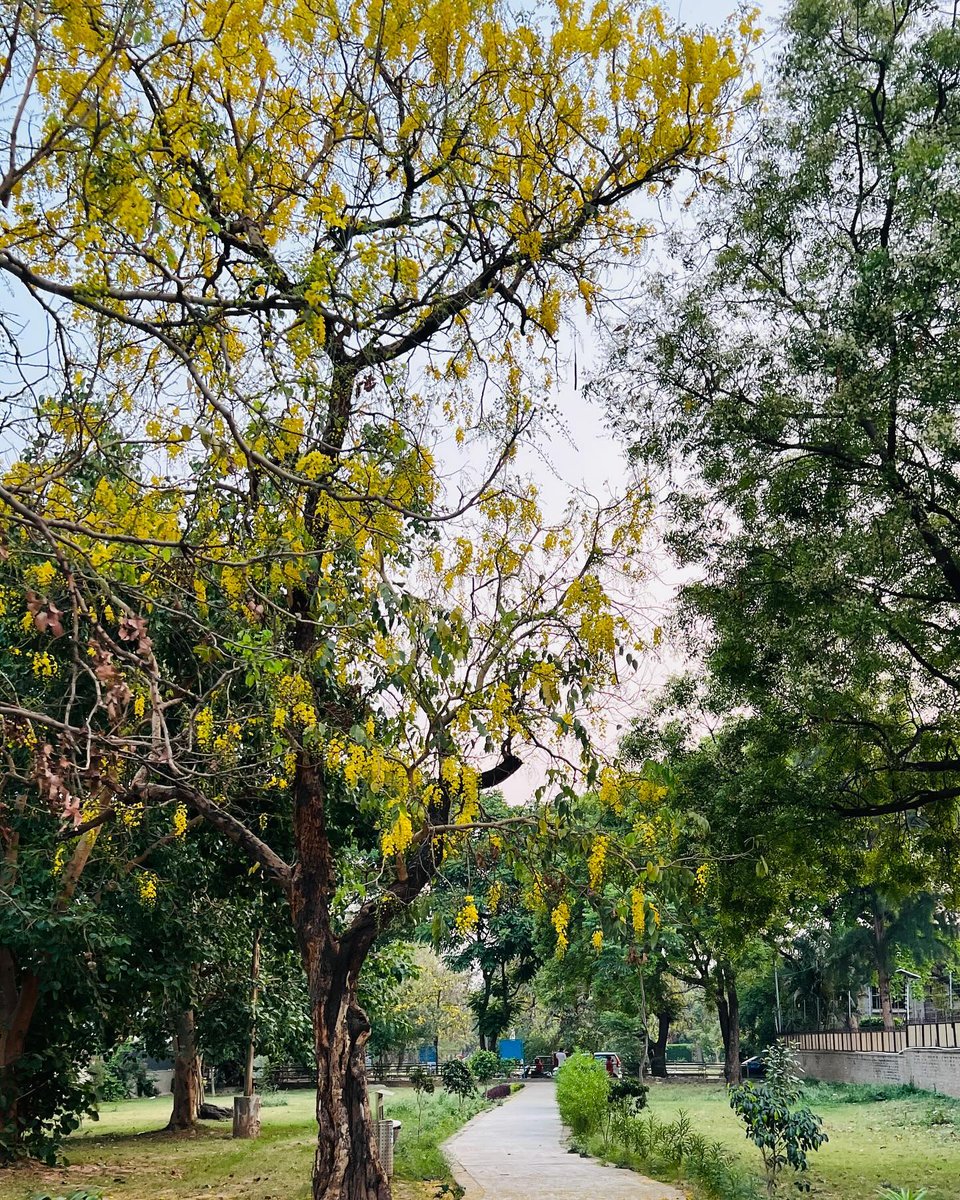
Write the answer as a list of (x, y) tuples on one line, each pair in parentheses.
[(782, 1130), (583, 1093), (516, 1087), (457, 1079), (484, 1065), (500, 1091)]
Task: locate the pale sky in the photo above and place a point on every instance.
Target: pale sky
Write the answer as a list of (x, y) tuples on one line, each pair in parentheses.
[(588, 458)]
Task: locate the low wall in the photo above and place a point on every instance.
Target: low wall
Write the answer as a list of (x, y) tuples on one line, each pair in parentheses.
[(932, 1070)]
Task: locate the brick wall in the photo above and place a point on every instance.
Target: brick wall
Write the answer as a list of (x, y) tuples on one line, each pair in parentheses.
[(932, 1070)]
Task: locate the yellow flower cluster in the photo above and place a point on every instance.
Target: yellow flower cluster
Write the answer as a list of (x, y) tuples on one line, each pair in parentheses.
[(610, 789), (148, 886), (45, 666), (597, 859), (560, 919), (638, 912), (203, 724), (228, 741), (494, 895), (131, 815), (279, 718), (293, 688), (304, 714), (596, 940), (59, 858), (399, 836), (703, 877), (45, 574), (468, 917), (139, 705), (180, 821)]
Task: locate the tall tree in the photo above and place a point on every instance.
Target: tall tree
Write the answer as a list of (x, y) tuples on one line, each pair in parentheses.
[(800, 380), (280, 253)]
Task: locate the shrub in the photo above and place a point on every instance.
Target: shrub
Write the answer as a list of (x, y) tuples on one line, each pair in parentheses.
[(499, 1091), (423, 1085), (484, 1065), (783, 1132), (903, 1193), (457, 1079), (583, 1092), (516, 1087)]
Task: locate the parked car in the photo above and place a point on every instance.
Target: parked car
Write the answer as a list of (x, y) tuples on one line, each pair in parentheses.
[(611, 1060)]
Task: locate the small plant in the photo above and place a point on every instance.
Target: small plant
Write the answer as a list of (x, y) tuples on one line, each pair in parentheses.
[(484, 1065), (903, 1193), (784, 1130), (457, 1079), (423, 1085), (627, 1098), (583, 1093)]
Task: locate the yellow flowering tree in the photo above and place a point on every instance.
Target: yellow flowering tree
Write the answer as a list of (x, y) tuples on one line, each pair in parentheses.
[(291, 262)]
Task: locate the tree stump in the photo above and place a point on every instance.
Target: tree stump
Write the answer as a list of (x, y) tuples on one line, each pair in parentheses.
[(246, 1116)]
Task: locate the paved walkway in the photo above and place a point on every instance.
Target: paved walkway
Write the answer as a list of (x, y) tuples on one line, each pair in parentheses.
[(515, 1152)]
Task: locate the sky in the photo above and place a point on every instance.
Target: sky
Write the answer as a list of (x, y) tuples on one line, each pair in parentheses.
[(584, 455)]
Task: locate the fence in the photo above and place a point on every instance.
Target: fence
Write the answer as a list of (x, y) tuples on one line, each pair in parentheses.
[(931, 1035)]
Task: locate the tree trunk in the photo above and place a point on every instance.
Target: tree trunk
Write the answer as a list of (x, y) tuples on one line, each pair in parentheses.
[(728, 1012), (18, 1002), (883, 966), (246, 1116), (658, 1048), (346, 1165), (187, 1076)]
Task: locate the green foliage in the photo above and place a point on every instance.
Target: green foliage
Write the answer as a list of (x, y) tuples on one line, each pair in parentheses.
[(122, 1073), (674, 1149), (484, 1065), (457, 1079), (423, 1085), (903, 1193), (801, 385), (583, 1093), (783, 1129), (679, 1052)]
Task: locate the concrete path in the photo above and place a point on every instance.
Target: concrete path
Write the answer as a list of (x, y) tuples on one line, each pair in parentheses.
[(516, 1152)]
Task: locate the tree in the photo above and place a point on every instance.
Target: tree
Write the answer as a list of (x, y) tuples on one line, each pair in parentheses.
[(783, 1129), (278, 254), (802, 388), (502, 947)]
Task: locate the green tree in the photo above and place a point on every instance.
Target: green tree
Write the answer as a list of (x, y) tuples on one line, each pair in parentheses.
[(801, 384), (282, 255)]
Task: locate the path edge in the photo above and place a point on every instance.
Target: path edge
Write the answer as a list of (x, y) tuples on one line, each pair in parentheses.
[(471, 1188)]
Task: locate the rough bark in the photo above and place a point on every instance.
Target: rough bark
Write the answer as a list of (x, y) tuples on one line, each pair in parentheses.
[(346, 1163), (19, 994), (187, 1076), (658, 1048), (246, 1116), (728, 1012)]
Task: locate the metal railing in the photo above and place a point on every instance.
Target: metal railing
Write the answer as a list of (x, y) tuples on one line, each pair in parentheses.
[(940, 1035)]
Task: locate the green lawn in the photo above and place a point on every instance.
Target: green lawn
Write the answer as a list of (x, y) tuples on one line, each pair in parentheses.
[(912, 1138), (126, 1156)]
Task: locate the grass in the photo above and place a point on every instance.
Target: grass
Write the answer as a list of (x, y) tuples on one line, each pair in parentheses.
[(879, 1136), (126, 1155)]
